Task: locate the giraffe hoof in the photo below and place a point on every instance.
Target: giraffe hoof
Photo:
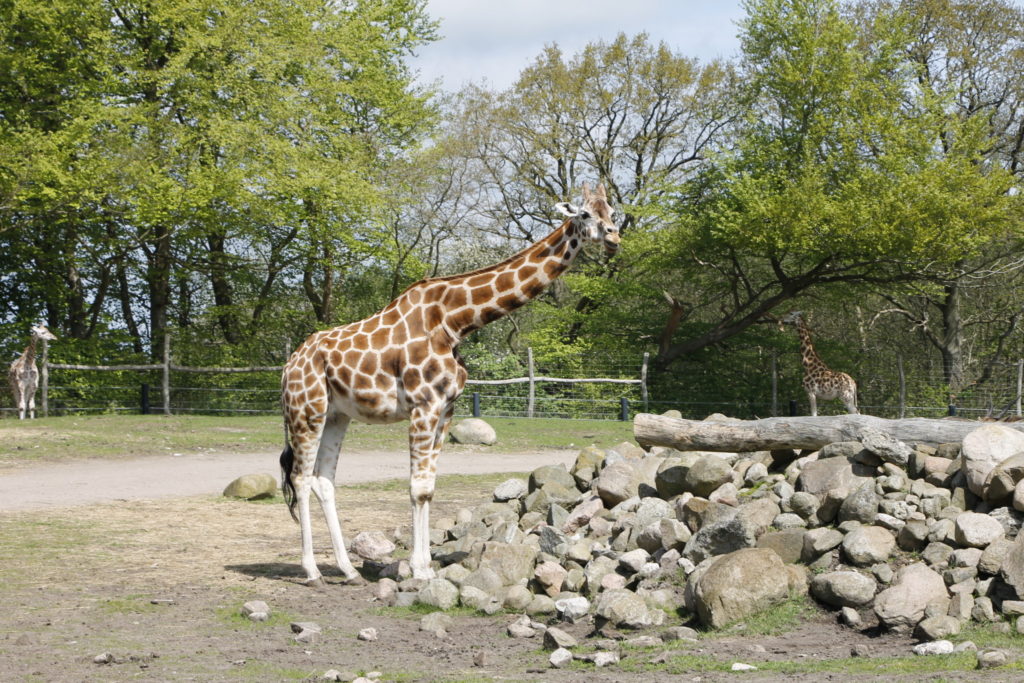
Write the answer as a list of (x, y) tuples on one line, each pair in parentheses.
[(318, 582), (356, 580)]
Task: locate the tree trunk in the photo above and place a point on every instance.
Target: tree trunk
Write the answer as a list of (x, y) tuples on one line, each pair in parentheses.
[(158, 278), (223, 296), (793, 432)]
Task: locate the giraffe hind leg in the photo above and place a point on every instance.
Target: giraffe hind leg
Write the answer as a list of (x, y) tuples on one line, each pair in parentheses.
[(323, 486), (304, 437)]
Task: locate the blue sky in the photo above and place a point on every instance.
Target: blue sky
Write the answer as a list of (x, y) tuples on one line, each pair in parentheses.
[(494, 40)]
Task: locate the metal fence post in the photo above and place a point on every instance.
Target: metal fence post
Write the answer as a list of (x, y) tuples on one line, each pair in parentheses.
[(532, 395), (1020, 381), (775, 383), (167, 373), (144, 399), (952, 409), (624, 409), (792, 408), (476, 404), (45, 381)]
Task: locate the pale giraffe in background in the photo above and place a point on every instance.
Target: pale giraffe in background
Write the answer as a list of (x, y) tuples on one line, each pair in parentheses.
[(24, 375), (819, 381), (403, 363)]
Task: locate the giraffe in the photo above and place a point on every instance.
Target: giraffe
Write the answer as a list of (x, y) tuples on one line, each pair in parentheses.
[(819, 380), (403, 363), (24, 375)]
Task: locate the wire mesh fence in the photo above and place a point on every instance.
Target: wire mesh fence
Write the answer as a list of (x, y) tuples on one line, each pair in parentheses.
[(577, 387)]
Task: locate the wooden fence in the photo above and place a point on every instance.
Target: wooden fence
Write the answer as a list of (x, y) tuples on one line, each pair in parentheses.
[(167, 366)]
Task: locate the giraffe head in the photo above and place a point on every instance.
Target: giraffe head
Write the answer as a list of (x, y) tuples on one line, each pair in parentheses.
[(40, 332), (792, 318), (595, 219)]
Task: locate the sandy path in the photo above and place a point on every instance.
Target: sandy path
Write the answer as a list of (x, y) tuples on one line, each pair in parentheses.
[(85, 482)]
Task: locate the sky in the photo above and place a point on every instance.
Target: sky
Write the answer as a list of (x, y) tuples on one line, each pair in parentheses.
[(493, 40)]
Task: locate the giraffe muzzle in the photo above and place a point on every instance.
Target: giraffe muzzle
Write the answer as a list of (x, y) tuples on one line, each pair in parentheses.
[(611, 242)]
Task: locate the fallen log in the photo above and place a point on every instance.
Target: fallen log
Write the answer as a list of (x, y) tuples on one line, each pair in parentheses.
[(794, 432)]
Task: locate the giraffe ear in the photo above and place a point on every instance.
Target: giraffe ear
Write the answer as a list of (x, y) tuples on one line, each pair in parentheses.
[(567, 209)]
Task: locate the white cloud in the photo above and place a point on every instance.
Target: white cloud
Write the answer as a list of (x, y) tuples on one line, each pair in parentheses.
[(494, 41)]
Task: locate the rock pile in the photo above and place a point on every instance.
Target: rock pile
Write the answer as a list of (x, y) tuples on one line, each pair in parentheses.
[(912, 538)]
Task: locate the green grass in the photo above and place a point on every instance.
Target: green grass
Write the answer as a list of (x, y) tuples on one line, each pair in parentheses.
[(107, 436), (777, 620), (232, 616), (129, 604)]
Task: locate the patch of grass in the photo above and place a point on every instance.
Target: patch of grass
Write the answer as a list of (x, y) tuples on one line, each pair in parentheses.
[(129, 604), (232, 616), (419, 610), (111, 436), (264, 671), (774, 621), (31, 542), (985, 635)]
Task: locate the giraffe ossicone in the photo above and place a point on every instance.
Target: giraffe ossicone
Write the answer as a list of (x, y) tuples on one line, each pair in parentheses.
[(819, 380), (403, 363), (24, 375)]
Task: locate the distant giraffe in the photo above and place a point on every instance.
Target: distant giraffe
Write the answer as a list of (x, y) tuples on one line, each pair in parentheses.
[(24, 375), (403, 363), (819, 380)]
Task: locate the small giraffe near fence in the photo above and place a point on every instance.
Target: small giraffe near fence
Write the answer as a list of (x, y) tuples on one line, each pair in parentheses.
[(24, 375), (403, 363), (819, 380)]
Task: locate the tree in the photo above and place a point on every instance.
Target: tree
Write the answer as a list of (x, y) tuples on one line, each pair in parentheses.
[(200, 140), (832, 179)]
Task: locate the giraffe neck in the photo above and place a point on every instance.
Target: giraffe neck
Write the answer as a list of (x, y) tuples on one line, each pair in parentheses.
[(29, 356), (483, 296), (810, 357)]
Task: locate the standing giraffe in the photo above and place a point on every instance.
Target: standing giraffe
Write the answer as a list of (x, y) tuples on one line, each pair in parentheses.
[(819, 380), (24, 375), (403, 363)]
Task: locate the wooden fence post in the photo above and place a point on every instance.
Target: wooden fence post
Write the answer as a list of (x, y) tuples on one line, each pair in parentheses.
[(167, 373), (903, 385), (45, 382), (1020, 381), (775, 383), (643, 380), (529, 368)]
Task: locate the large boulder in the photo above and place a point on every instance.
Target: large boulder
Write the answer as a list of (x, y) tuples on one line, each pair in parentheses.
[(623, 608), (843, 588), (822, 475), (976, 530), (511, 562), (473, 431), (868, 545), (250, 486), (616, 483), (1003, 480), (903, 605), (707, 474), (738, 585), (983, 449), (372, 545)]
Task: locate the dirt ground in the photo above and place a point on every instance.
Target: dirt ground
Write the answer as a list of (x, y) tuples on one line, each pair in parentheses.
[(158, 584)]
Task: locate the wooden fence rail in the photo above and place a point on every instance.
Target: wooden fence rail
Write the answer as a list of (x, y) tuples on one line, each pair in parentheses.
[(167, 367)]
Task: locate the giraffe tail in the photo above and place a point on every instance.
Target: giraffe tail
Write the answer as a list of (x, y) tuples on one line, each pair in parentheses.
[(287, 486)]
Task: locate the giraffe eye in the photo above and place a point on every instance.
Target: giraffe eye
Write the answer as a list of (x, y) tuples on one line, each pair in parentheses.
[(584, 215)]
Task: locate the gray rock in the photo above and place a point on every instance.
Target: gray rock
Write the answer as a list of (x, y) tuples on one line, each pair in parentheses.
[(1003, 479), (817, 542), (868, 545), (707, 474), (822, 475), (572, 609), (902, 606), (983, 449), (474, 598), (913, 536), (560, 658), (935, 647), (252, 486), (616, 483), (581, 515), (977, 530), (804, 504), (473, 430), (861, 505), (670, 479), (991, 560), (510, 489), (886, 447), (738, 585), (623, 608), (937, 628), (937, 554), (555, 638), (542, 476), (991, 658), (550, 576), (521, 628), (718, 539), (256, 610), (439, 593), (788, 544), (372, 545), (511, 562), (306, 632), (843, 589)]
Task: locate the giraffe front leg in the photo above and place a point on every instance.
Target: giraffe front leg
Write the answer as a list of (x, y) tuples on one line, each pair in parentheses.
[(323, 486), (426, 433), (302, 490), (813, 400)]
